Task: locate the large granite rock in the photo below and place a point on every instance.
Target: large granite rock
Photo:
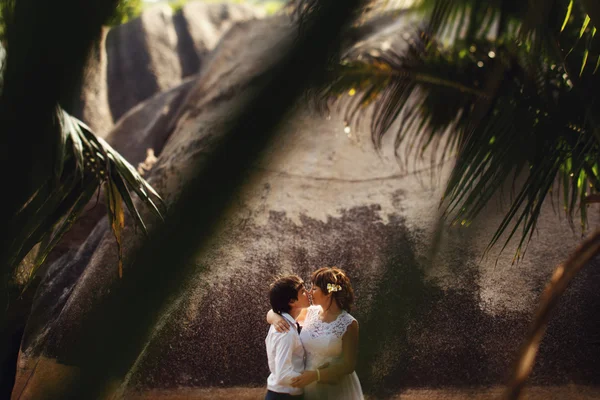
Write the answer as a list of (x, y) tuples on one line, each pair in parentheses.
[(148, 125), (91, 103), (155, 51), (138, 136), (143, 59), (201, 25), (150, 54), (320, 196)]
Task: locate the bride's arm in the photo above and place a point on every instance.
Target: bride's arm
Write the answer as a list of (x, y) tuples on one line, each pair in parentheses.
[(280, 324), (334, 372)]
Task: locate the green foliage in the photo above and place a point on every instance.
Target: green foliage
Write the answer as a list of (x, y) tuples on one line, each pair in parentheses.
[(177, 5), (84, 163), (126, 10), (512, 94), (5, 12), (272, 7)]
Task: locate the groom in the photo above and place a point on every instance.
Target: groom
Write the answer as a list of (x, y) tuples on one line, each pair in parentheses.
[(284, 350)]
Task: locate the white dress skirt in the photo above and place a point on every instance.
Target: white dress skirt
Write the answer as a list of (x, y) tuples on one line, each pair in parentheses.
[(322, 343)]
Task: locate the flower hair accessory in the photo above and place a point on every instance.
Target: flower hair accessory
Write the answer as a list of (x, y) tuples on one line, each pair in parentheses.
[(332, 287)]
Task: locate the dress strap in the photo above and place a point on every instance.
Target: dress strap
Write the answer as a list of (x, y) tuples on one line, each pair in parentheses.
[(340, 325)]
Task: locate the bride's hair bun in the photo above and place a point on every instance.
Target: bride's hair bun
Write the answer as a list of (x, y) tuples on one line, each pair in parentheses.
[(335, 281)]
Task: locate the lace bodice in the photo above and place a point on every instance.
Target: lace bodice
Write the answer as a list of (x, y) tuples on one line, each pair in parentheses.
[(322, 341)]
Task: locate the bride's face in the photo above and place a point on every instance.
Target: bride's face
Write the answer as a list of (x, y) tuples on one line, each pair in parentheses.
[(318, 297)]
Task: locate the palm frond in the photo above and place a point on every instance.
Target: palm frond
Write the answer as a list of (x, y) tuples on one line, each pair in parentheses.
[(302, 10), (538, 25), (592, 9), (534, 129), (510, 118), (51, 237), (116, 214), (86, 163), (471, 20), (427, 88), (578, 38)]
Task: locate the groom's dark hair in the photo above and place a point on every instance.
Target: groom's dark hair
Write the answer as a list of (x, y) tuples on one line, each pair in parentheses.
[(284, 290)]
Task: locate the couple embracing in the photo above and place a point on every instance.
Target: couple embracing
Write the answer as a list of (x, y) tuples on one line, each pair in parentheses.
[(312, 350)]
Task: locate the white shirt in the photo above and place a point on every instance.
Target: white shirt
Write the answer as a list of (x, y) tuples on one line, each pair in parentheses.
[(286, 358)]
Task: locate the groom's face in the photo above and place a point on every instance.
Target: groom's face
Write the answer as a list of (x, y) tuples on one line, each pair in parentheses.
[(302, 301)]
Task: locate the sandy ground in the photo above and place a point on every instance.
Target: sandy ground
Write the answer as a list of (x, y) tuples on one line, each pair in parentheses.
[(570, 392)]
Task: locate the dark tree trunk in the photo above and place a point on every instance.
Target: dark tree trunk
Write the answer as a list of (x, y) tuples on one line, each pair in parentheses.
[(11, 335), (47, 46)]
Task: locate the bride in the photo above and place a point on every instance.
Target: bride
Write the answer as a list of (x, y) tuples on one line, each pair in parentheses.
[(330, 338)]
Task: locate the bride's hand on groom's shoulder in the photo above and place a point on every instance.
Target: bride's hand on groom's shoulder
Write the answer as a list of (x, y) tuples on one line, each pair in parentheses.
[(281, 325), (306, 378)]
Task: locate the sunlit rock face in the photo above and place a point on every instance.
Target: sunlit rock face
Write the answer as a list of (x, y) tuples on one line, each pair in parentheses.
[(175, 42), (154, 52), (322, 195), (91, 102), (138, 136), (148, 55)]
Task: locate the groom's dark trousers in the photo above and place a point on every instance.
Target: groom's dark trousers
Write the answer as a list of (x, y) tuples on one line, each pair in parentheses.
[(282, 396)]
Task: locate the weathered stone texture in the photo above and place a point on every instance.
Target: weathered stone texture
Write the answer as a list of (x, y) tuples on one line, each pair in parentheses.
[(155, 51), (323, 196)]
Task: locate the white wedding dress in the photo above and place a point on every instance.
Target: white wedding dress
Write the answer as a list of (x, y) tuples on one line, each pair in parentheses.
[(322, 343)]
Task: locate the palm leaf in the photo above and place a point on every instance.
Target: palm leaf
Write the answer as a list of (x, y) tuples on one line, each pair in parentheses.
[(37, 218), (584, 26), (51, 239), (415, 83), (61, 144), (67, 223), (561, 278), (592, 9), (119, 168), (117, 180), (470, 20), (567, 15), (116, 215), (86, 161), (76, 138), (116, 163), (492, 110)]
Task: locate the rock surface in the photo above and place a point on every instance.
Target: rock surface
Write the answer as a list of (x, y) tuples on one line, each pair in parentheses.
[(151, 54), (143, 124), (138, 136), (155, 51), (322, 196), (148, 125), (91, 104)]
